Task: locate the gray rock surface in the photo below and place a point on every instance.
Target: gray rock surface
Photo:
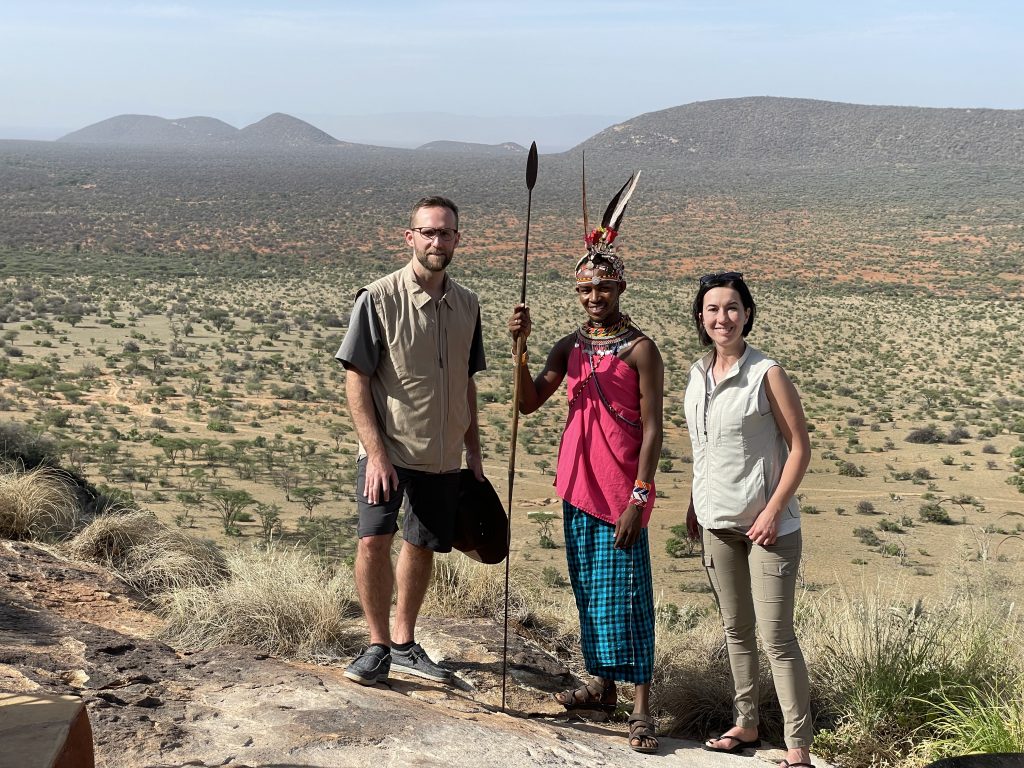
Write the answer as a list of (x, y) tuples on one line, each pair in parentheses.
[(70, 628)]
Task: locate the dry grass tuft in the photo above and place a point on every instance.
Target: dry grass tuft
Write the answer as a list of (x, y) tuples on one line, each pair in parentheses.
[(39, 504), (883, 665), (692, 685), (462, 587), (147, 554), (283, 602)]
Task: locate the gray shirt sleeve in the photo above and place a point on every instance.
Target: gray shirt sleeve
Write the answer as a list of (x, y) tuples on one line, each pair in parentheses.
[(361, 347), (477, 362)]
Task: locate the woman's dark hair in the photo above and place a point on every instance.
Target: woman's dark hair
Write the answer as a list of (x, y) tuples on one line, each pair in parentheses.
[(732, 280)]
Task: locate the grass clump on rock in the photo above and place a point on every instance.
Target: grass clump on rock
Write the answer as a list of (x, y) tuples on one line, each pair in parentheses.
[(884, 670), (464, 588), (283, 602), (148, 555), (37, 505)]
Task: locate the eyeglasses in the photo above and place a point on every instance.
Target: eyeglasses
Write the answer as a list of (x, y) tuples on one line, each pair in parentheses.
[(715, 277), (429, 233)]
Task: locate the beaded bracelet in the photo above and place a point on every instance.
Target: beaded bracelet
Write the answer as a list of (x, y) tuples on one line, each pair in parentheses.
[(641, 494)]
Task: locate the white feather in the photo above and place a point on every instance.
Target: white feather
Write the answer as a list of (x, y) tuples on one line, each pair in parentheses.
[(613, 223)]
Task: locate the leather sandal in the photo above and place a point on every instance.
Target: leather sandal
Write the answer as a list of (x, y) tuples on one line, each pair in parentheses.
[(641, 730), (589, 696)]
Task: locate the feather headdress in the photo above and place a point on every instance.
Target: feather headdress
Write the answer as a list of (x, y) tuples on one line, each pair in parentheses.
[(600, 241)]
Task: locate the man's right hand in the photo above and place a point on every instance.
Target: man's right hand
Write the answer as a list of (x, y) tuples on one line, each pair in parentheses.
[(519, 324), (381, 479)]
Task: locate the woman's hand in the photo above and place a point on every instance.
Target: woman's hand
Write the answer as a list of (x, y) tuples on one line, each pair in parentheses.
[(692, 526), (765, 530), (519, 324)]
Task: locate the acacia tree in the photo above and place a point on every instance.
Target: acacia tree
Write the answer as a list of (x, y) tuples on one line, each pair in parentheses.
[(270, 522), (230, 503), (310, 496), (189, 500)]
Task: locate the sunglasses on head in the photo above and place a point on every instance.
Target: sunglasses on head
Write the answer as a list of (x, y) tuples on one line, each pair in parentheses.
[(715, 277)]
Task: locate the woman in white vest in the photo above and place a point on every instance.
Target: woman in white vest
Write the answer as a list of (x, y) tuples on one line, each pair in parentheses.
[(750, 452)]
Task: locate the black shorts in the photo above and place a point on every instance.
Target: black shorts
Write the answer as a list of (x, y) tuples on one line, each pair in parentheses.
[(430, 503)]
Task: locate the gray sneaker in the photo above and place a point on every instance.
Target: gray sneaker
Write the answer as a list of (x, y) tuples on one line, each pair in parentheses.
[(371, 666), (416, 662)]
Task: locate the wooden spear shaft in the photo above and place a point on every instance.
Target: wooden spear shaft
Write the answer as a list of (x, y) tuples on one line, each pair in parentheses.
[(531, 179)]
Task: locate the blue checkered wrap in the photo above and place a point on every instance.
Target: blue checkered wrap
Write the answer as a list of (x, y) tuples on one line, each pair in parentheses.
[(614, 596)]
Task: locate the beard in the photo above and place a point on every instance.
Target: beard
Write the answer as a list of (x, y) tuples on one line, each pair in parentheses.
[(433, 260)]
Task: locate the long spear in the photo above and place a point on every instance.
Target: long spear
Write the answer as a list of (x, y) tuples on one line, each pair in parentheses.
[(531, 179)]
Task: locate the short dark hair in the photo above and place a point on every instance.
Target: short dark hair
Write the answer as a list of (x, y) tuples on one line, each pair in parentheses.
[(435, 201), (727, 280)]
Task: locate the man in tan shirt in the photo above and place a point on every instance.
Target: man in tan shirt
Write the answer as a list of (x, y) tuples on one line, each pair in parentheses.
[(413, 345)]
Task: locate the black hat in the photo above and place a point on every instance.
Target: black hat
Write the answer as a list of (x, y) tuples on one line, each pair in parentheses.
[(481, 525)]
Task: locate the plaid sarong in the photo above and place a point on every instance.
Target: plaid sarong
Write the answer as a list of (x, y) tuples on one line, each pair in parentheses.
[(614, 596)]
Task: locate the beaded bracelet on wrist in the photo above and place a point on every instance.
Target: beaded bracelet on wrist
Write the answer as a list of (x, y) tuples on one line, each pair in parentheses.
[(641, 494)]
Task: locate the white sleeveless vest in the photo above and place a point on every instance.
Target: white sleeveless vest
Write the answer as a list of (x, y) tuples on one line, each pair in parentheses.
[(738, 450)]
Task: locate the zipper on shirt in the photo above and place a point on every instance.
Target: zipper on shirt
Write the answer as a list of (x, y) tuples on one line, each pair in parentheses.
[(708, 397)]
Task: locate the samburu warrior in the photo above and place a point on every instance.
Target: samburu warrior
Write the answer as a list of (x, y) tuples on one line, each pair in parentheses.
[(605, 477)]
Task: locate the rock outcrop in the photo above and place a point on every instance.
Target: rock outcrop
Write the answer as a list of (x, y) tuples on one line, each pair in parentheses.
[(72, 628)]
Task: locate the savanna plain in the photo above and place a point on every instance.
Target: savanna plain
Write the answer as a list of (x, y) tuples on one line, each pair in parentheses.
[(168, 334)]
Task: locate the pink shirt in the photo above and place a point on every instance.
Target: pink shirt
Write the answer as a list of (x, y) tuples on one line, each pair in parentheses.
[(599, 454)]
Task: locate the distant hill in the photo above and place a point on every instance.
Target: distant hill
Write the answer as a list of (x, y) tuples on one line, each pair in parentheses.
[(276, 130), (279, 130), (150, 130), (472, 148), (742, 133), (808, 132)]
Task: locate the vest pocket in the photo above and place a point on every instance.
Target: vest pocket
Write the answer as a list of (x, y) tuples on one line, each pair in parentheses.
[(755, 490)]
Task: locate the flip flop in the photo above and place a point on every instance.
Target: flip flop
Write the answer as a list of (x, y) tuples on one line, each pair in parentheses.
[(738, 747), (788, 764)]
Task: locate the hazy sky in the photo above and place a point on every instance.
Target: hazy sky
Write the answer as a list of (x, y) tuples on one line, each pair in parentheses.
[(68, 64)]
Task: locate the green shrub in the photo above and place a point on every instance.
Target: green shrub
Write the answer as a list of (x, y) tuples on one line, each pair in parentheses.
[(957, 435), (849, 469), (552, 577), (934, 513), (867, 536), (882, 668), (967, 721), (890, 549), (679, 544), (925, 435)]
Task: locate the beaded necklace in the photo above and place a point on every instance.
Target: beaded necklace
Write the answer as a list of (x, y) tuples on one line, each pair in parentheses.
[(606, 339), (597, 341)]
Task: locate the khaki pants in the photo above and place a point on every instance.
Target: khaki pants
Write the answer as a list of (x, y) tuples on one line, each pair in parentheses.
[(755, 588)]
